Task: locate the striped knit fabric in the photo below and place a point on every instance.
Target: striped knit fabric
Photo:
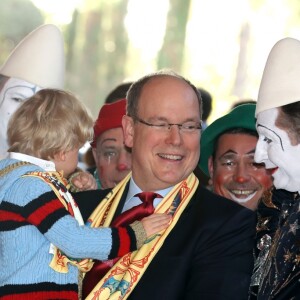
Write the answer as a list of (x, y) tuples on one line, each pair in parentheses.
[(31, 218)]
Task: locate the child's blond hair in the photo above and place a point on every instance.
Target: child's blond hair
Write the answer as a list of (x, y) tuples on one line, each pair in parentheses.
[(49, 122)]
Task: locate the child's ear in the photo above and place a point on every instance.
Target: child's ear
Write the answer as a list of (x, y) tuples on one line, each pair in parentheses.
[(60, 156)]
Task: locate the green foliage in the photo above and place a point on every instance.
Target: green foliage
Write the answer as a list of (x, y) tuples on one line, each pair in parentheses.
[(172, 52), (99, 54), (96, 49)]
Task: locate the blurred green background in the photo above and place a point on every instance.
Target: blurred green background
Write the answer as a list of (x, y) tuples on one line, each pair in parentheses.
[(221, 46)]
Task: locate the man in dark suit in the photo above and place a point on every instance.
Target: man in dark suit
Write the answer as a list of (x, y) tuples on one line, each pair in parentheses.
[(206, 252)]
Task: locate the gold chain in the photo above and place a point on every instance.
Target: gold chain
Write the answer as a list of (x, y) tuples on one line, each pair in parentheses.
[(13, 166)]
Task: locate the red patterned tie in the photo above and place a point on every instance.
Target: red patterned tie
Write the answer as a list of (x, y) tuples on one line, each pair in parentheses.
[(135, 213)]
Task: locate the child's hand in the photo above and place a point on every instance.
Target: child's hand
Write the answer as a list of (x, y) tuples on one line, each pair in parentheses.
[(155, 223), (83, 181)]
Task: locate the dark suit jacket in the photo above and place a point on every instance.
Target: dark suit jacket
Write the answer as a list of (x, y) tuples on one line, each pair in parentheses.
[(208, 255)]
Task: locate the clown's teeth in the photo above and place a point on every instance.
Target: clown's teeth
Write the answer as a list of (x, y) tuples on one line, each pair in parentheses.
[(242, 192)]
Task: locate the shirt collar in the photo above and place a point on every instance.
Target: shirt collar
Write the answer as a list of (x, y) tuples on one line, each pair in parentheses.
[(44, 164), (134, 189)]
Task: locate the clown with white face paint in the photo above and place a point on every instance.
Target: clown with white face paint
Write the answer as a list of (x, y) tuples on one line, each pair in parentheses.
[(277, 151), (278, 125), (37, 62), (14, 92)]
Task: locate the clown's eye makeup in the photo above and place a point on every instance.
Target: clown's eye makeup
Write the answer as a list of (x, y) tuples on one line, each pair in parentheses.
[(18, 99), (227, 162), (258, 165), (267, 140)]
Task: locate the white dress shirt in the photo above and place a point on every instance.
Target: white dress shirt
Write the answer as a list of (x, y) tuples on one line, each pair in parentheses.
[(132, 201)]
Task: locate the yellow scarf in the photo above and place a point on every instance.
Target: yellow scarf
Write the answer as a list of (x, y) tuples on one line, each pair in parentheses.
[(121, 279), (58, 183)]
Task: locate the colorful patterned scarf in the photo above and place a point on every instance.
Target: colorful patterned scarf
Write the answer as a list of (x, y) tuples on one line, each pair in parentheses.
[(122, 278)]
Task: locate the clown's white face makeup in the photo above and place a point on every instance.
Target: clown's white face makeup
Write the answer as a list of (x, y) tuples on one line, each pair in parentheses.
[(274, 148), (14, 92)]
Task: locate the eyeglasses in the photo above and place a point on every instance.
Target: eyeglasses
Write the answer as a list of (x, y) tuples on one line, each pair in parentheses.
[(187, 127)]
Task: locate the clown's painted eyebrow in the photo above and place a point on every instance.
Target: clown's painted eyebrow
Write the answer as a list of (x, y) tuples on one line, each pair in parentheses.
[(108, 140), (33, 88), (234, 152), (259, 125)]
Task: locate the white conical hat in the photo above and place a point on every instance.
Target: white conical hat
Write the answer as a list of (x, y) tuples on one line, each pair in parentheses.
[(39, 58), (280, 84)]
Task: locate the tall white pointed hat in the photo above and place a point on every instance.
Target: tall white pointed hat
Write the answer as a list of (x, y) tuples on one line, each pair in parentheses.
[(39, 58), (280, 84)]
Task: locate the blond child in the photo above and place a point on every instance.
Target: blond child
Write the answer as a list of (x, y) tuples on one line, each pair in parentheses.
[(41, 225)]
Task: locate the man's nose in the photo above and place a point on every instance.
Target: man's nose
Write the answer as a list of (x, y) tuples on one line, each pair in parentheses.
[(260, 153), (241, 175), (124, 161), (174, 135)]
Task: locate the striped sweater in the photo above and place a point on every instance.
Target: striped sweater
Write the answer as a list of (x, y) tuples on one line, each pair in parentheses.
[(31, 218)]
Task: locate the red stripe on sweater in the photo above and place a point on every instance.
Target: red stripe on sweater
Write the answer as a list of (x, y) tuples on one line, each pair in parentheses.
[(68, 295), (37, 216), (10, 216), (124, 241)]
